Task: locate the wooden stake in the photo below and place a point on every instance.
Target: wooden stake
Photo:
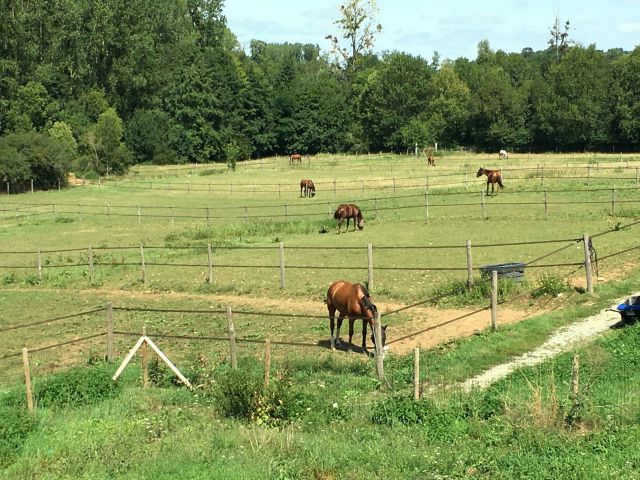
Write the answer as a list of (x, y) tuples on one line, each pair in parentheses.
[(232, 339), (145, 360), (210, 264), (469, 265), (377, 328), (142, 264), (587, 263), (416, 374), (267, 361), (494, 300), (27, 378), (109, 332)]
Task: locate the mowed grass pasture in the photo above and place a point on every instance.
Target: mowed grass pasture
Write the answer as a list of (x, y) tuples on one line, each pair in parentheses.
[(332, 419)]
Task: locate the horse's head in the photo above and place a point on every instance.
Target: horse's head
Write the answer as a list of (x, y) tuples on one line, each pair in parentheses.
[(360, 222), (369, 309), (480, 172), (313, 191)]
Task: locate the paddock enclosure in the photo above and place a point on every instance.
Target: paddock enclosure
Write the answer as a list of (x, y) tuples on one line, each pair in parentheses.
[(171, 248)]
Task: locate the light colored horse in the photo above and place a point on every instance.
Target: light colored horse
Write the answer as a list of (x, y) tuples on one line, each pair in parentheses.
[(503, 155)]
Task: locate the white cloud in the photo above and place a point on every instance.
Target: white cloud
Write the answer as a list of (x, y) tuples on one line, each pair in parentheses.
[(630, 27)]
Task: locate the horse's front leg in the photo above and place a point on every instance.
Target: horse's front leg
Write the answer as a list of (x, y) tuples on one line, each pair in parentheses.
[(364, 336), (351, 322)]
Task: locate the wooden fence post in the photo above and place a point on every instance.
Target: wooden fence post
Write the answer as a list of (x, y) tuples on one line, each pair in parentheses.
[(370, 266), (394, 186), (494, 300), (27, 378), (232, 339), (469, 265), (587, 263), (575, 381), (376, 202), (379, 348), (416, 374), (267, 361), (172, 215), (546, 206), (482, 204), (286, 213), (143, 267), (91, 268), (334, 187), (145, 360), (109, 332), (139, 220), (9, 191), (426, 204), (31, 185), (613, 201), (39, 265), (282, 272), (209, 264)]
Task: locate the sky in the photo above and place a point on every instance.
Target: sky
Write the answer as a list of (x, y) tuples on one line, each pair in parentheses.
[(453, 28)]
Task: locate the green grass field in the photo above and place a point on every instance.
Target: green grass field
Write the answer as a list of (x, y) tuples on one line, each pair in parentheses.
[(326, 416)]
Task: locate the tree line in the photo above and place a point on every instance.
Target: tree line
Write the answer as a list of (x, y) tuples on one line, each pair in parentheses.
[(96, 86)]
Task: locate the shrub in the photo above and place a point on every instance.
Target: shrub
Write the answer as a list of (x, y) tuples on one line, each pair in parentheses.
[(76, 387), (549, 284), (241, 394), (443, 423), (457, 293), (15, 426)]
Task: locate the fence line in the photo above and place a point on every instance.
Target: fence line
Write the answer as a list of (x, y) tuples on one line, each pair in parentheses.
[(51, 320), (287, 216)]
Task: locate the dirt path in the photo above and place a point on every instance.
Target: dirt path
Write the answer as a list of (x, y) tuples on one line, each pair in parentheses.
[(562, 340)]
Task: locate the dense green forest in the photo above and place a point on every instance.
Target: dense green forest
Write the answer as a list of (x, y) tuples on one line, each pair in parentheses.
[(96, 86)]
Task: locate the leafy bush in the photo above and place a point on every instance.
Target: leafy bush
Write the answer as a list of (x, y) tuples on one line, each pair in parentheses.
[(15, 426), (76, 387), (457, 293), (550, 284), (402, 410), (241, 394)]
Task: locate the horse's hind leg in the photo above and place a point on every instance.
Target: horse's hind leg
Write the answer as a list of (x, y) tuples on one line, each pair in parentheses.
[(332, 324)]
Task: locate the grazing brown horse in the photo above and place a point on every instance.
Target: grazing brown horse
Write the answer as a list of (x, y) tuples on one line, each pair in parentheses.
[(349, 211), (351, 300), (295, 157), (308, 187), (493, 177), (431, 160)]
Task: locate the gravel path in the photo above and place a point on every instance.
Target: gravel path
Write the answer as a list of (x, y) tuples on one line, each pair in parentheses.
[(562, 340)]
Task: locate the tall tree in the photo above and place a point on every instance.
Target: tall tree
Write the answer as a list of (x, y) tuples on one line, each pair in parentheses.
[(358, 26)]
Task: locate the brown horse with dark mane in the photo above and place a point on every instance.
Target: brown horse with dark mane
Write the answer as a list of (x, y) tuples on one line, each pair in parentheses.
[(431, 161), (493, 177), (349, 211), (351, 300), (307, 187), (295, 157)]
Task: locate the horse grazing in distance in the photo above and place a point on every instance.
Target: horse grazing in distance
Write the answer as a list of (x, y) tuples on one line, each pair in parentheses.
[(307, 187), (351, 300), (493, 177), (349, 211), (431, 161), (503, 155), (295, 157)]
